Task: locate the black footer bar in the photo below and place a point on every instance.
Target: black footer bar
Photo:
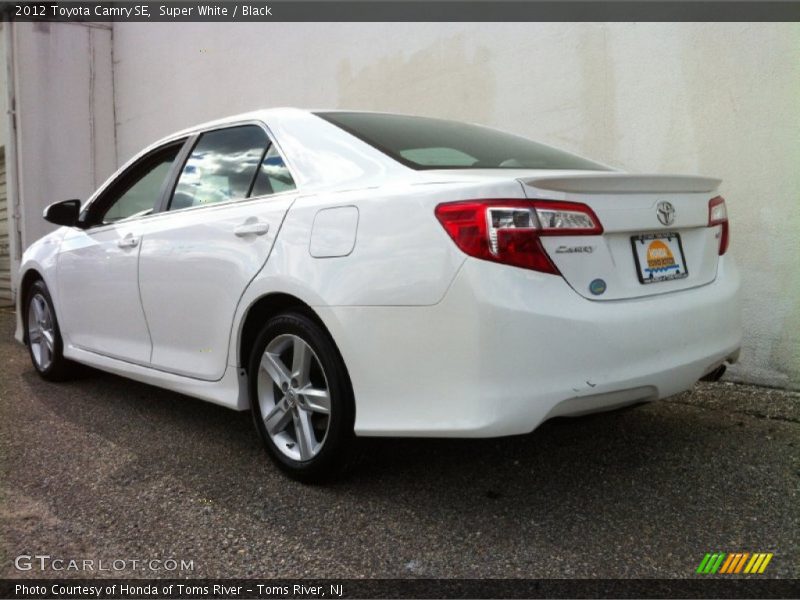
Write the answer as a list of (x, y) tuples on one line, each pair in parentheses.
[(234, 589)]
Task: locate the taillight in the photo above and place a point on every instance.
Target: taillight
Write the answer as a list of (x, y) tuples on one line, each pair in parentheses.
[(718, 215), (508, 231)]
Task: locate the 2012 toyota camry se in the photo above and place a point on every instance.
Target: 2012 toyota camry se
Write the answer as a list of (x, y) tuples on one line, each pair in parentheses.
[(347, 274)]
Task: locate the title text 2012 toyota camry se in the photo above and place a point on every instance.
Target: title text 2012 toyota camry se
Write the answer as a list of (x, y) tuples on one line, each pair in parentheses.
[(348, 274)]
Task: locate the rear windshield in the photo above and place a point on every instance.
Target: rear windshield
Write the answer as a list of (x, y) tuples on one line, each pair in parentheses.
[(423, 143)]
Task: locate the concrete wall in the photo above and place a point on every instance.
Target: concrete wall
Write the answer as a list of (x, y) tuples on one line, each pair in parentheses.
[(714, 99)]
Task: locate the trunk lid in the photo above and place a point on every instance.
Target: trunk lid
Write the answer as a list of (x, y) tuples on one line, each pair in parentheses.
[(638, 253)]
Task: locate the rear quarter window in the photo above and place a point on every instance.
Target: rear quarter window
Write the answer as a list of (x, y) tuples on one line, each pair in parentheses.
[(426, 143)]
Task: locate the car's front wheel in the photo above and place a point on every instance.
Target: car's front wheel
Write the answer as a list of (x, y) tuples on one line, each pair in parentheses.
[(301, 398), (45, 344)]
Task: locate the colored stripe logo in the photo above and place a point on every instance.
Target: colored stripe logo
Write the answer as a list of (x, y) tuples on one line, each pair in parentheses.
[(734, 563)]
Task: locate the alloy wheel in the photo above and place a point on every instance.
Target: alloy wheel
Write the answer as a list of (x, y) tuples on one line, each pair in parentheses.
[(41, 331), (294, 397)]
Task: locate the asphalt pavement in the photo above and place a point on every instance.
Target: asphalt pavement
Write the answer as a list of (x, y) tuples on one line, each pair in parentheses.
[(106, 469)]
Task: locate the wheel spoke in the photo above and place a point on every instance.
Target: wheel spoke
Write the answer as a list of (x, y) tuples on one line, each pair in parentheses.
[(275, 368), (38, 309), (35, 336), (316, 400), (278, 418), (301, 361), (44, 354), (49, 339), (304, 432)]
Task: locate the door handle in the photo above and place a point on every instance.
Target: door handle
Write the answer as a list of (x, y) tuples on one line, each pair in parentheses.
[(251, 228), (128, 241)]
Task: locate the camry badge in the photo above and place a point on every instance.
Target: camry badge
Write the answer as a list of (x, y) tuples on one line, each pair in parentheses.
[(666, 213), (574, 249)]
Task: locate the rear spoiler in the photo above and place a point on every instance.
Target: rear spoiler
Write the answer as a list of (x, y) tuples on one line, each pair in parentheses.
[(621, 183)]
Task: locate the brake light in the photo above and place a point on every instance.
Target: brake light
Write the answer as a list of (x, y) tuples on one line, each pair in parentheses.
[(509, 231), (718, 215)]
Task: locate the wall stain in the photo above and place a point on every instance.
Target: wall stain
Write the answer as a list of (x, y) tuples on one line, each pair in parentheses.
[(598, 95), (444, 79)]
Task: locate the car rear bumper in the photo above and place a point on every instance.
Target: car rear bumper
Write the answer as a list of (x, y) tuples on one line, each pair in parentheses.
[(507, 349)]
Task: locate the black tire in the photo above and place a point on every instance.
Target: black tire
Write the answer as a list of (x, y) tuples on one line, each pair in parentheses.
[(57, 368), (337, 450)]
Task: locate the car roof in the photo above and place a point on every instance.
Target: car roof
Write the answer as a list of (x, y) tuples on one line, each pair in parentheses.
[(319, 155)]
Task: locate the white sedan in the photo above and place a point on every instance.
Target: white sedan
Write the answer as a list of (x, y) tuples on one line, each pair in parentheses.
[(347, 274)]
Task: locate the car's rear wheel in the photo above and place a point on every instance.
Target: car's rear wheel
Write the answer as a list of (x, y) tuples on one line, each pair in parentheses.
[(301, 398), (45, 344)]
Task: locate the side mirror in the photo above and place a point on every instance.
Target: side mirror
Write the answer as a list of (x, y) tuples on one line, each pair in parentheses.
[(65, 212)]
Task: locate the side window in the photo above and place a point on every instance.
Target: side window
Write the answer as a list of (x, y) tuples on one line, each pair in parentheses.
[(137, 192), (273, 176), (221, 167)]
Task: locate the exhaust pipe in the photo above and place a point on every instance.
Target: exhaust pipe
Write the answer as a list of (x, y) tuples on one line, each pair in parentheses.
[(715, 375)]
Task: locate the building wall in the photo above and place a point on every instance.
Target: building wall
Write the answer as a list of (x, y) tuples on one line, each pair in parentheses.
[(6, 296), (63, 91), (3, 87), (713, 99)]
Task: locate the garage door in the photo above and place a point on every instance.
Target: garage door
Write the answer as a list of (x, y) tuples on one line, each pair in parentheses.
[(5, 258)]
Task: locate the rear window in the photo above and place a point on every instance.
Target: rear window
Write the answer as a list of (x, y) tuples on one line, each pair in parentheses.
[(424, 143)]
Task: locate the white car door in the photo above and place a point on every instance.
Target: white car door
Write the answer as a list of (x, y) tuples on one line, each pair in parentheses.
[(215, 234), (100, 308)]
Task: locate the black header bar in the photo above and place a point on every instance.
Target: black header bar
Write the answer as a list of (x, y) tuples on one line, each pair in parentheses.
[(405, 11)]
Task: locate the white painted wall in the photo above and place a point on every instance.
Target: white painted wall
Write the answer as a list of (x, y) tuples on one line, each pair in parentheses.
[(713, 99)]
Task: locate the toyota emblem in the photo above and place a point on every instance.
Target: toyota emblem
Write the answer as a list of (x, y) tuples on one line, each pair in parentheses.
[(666, 213)]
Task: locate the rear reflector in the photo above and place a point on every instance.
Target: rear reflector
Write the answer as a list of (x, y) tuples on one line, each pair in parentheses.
[(508, 231), (718, 215)]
